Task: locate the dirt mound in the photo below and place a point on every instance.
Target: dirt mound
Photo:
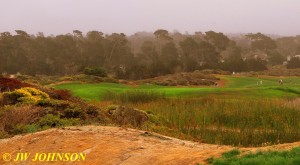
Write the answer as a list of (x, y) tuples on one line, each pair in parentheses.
[(115, 145)]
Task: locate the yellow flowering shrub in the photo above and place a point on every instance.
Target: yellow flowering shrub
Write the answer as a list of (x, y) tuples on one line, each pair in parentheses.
[(25, 95)]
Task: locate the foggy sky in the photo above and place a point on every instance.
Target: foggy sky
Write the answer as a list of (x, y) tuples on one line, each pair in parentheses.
[(129, 16)]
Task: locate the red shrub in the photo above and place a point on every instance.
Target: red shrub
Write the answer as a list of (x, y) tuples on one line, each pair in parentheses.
[(57, 93), (10, 84), (63, 94)]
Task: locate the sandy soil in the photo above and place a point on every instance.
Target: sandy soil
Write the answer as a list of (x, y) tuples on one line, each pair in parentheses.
[(115, 145)]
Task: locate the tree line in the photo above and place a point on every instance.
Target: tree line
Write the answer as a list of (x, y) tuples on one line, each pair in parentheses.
[(142, 55)]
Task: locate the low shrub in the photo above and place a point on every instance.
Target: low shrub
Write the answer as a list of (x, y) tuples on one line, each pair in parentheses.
[(24, 128), (10, 84), (93, 111), (58, 94), (11, 116), (55, 104), (112, 107), (96, 71), (24, 95), (74, 112), (210, 71), (82, 78), (50, 121), (66, 109), (110, 80)]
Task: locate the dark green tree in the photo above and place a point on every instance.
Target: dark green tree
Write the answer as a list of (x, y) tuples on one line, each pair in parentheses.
[(219, 40)]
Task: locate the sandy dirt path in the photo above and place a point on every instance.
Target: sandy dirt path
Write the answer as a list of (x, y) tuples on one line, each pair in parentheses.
[(116, 146)]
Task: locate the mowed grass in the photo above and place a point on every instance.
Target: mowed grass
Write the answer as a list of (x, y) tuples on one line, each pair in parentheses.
[(235, 86), (96, 91)]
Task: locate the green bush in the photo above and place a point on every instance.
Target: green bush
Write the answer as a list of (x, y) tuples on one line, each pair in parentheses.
[(22, 128), (96, 71), (67, 108), (112, 107), (56, 104), (93, 111), (50, 121), (74, 112)]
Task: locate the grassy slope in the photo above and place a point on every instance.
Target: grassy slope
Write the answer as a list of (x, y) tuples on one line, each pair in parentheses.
[(241, 86)]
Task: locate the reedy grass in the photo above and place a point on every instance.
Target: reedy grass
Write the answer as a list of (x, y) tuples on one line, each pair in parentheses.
[(239, 122)]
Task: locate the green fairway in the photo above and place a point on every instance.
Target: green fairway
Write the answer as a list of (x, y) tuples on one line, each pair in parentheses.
[(94, 91), (235, 87)]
